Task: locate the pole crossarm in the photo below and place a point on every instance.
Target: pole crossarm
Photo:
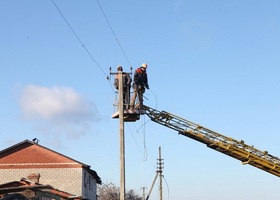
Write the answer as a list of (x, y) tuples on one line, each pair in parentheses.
[(226, 145)]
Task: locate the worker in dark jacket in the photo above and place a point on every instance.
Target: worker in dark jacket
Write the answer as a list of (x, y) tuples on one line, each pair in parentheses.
[(140, 82), (126, 86)]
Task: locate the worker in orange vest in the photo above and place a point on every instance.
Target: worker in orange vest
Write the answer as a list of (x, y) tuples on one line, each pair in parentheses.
[(140, 82)]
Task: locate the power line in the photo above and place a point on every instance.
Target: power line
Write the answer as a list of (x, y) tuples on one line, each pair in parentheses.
[(78, 38), (113, 32)]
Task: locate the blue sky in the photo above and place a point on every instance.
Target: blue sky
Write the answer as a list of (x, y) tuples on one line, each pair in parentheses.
[(215, 63)]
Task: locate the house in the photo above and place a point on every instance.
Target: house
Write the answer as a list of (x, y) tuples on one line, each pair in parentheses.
[(26, 189), (48, 167)]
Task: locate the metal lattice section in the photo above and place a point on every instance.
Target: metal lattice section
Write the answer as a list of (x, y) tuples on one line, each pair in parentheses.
[(229, 146)]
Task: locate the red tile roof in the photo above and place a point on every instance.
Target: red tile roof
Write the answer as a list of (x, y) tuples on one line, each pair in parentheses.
[(28, 154)]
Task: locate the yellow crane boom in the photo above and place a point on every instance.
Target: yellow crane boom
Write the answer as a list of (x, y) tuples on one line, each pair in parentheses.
[(226, 145)]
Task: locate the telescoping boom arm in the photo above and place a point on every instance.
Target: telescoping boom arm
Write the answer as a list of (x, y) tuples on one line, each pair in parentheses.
[(229, 146)]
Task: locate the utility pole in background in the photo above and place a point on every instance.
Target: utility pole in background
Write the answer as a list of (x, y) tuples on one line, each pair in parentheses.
[(143, 188), (158, 173), (160, 167)]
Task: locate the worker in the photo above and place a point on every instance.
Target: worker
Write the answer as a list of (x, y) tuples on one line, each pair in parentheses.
[(140, 82), (126, 86)]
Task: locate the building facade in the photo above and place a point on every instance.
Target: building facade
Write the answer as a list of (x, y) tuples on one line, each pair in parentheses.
[(53, 168)]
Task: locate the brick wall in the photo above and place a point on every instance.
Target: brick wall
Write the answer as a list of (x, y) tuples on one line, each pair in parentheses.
[(68, 179)]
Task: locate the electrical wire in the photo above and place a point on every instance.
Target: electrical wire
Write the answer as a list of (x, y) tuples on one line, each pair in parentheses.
[(143, 127), (78, 38), (113, 32), (134, 139), (166, 186), (143, 140), (83, 45), (155, 98)]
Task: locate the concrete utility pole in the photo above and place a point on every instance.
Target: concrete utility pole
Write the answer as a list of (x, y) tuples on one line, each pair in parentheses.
[(122, 142), (159, 173), (160, 163), (143, 188)]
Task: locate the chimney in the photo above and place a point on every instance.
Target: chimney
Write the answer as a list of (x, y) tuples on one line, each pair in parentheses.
[(34, 177)]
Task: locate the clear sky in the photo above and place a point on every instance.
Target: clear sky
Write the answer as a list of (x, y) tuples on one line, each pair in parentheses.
[(215, 63)]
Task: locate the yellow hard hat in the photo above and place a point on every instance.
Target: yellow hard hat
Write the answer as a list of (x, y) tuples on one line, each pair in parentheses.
[(144, 65)]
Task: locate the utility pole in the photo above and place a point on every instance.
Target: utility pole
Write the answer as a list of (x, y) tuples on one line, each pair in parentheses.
[(158, 172), (160, 167), (122, 142), (143, 188), (123, 116)]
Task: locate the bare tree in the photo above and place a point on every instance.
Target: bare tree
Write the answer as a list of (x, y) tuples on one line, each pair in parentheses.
[(112, 192), (131, 195)]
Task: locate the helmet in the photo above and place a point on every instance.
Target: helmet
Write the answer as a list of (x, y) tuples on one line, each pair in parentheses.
[(144, 65), (119, 68)]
